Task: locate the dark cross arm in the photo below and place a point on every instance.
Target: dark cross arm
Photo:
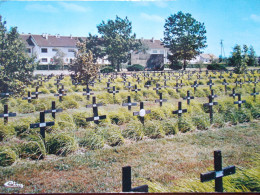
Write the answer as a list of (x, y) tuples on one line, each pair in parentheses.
[(161, 100), (37, 125), (129, 104), (240, 102), (217, 174), (189, 98), (211, 104), (94, 105), (96, 118), (53, 111), (10, 114), (179, 111)]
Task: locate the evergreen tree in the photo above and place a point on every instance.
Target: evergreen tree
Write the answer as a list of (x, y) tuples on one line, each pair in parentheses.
[(252, 57), (239, 60), (16, 67)]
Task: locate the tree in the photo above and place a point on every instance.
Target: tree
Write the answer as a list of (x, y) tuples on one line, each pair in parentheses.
[(85, 70), (184, 36), (239, 60), (252, 57), (58, 59), (118, 40), (16, 67), (96, 46)]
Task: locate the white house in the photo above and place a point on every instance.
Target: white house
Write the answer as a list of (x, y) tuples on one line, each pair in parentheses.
[(45, 47), (203, 58)]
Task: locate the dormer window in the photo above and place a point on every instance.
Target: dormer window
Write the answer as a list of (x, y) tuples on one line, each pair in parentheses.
[(44, 50)]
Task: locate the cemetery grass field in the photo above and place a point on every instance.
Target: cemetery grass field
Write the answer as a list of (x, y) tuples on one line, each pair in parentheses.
[(168, 164), (167, 146)]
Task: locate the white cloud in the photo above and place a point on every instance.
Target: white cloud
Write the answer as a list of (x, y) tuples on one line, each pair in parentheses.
[(154, 18), (41, 8), (74, 7), (255, 17), (161, 4)]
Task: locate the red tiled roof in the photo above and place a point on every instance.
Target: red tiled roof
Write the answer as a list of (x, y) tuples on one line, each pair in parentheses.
[(54, 41), (26, 39), (155, 44)]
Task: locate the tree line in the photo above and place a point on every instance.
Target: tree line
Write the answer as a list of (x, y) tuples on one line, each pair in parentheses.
[(183, 35)]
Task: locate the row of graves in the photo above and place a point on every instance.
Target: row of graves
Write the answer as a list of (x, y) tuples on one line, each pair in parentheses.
[(149, 80), (166, 76)]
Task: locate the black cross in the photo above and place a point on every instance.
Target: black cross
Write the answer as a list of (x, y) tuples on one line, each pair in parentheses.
[(180, 110), (161, 100), (177, 87), (6, 94), (255, 82), (254, 94), (129, 103), (135, 89), (127, 183), (230, 75), (60, 94), (42, 125), (114, 91), (88, 93), (239, 102), (129, 86), (210, 83), (29, 98), (188, 97), (138, 80), (148, 84), (236, 82), (95, 106), (225, 84), (53, 109), (218, 173), (212, 94), (124, 81), (157, 88), (5, 115), (142, 112), (195, 85), (36, 93), (233, 94), (108, 86), (210, 105), (165, 84)]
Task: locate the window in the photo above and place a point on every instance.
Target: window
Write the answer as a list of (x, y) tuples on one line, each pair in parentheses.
[(44, 60), (70, 50), (28, 50), (71, 60), (161, 51), (154, 51), (54, 49), (44, 50)]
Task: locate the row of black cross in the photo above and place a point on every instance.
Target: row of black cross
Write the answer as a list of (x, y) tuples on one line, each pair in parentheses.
[(216, 175)]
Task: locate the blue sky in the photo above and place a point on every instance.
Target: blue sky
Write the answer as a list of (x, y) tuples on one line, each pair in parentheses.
[(234, 21)]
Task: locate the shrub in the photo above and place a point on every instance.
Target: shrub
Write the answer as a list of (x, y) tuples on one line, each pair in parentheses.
[(80, 119), (32, 150), (6, 131), (61, 144), (117, 118), (153, 129), (185, 124), (22, 125), (134, 130), (7, 156), (135, 67), (92, 140), (107, 69), (157, 114), (170, 126), (243, 115), (26, 108), (69, 103), (216, 66), (201, 121), (111, 134)]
